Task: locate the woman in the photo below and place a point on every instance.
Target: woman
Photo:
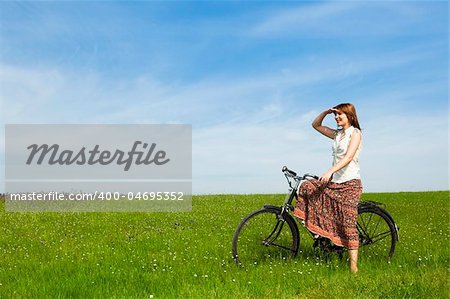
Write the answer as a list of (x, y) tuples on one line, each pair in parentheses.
[(329, 205)]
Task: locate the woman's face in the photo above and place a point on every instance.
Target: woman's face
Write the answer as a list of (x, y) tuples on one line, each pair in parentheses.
[(341, 119)]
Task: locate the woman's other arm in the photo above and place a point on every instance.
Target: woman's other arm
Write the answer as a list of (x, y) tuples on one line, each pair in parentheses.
[(351, 151)]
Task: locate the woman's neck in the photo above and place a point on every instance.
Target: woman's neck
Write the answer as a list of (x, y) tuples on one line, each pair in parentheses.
[(346, 126)]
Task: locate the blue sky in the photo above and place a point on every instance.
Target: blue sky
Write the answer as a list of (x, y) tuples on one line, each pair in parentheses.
[(249, 76)]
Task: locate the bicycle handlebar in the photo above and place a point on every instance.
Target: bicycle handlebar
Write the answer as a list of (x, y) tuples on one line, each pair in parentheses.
[(287, 170), (293, 174)]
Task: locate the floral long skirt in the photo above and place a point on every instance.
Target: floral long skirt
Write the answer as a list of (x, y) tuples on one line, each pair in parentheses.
[(330, 210)]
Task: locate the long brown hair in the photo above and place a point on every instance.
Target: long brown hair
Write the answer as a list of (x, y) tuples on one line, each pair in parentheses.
[(350, 111)]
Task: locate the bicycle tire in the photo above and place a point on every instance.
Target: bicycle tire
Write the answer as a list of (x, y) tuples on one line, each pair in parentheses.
[(378, 234), (263, 235)]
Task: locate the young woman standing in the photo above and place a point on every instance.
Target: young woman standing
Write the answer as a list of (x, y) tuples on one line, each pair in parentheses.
[(329, 205)]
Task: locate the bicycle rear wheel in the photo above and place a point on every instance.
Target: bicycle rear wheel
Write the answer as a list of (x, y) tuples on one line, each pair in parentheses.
[(265, 234), (377, 233)]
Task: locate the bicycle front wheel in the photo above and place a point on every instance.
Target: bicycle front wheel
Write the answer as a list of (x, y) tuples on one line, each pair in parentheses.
[(265, 234), (377, 234)]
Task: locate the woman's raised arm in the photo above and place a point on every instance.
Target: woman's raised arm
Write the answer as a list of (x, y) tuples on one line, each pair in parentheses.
[(317, 124)]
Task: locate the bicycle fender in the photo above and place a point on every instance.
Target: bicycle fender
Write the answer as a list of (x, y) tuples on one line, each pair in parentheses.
[(272, 207)]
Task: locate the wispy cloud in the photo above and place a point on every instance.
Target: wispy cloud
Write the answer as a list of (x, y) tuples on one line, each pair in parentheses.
[(348, 19), (303, 17)]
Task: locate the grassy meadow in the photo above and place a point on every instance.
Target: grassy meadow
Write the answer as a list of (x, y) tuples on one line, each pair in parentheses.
[(188, 255)]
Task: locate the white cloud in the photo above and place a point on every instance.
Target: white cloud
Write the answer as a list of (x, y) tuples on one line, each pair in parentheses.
[(338, 18), (293, 19)]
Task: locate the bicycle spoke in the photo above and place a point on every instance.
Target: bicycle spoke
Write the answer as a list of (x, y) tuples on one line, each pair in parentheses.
[(361, 230), (278, 231), (280, 246), (363, 224), (376, 227), (270, 235), (380, 237), (368, 224)]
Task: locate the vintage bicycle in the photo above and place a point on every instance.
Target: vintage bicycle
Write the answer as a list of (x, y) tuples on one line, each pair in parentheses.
[(272, 232)]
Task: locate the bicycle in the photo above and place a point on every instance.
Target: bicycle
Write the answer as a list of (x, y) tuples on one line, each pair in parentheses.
[(272, 231)]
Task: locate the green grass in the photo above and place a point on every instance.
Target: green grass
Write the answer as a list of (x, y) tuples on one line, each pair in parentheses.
[(174, 255)]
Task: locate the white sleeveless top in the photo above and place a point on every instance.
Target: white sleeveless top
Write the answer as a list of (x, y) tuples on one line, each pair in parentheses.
[(340, 146)]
